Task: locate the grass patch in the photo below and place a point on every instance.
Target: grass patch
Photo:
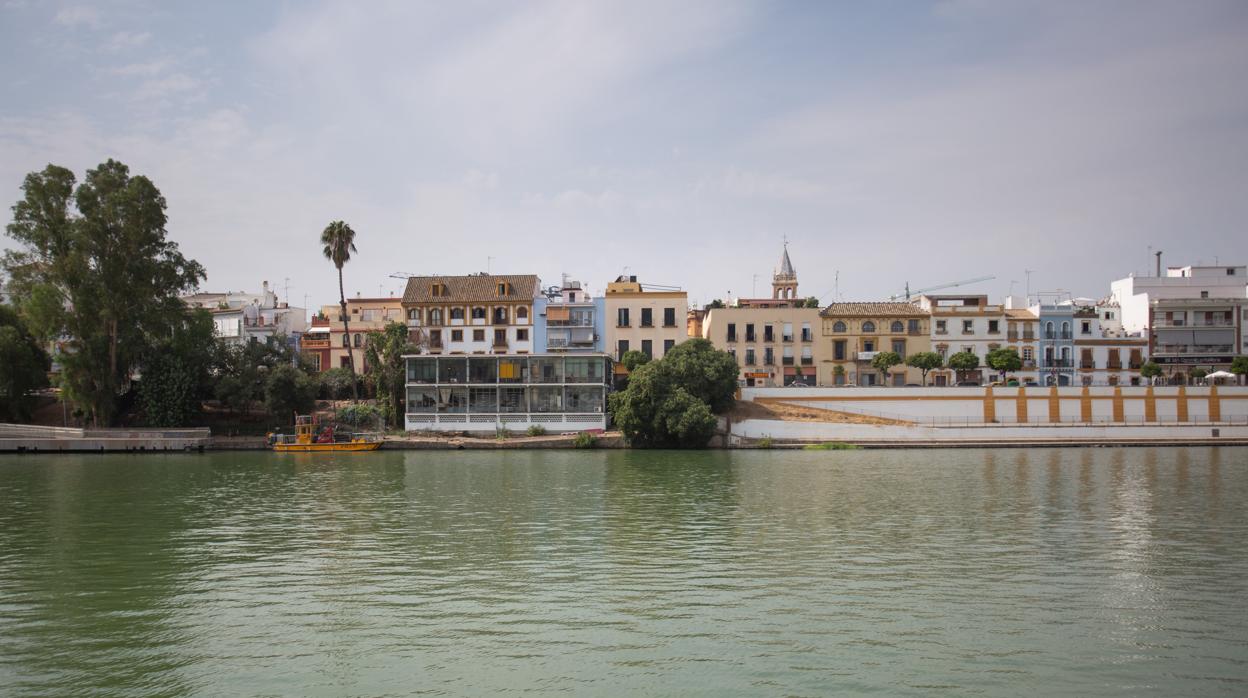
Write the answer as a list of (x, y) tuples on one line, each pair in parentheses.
[(536, 430), (831, 446), (583, 439)]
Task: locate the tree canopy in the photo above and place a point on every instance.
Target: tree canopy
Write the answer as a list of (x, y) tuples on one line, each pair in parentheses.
[(386, 371), (23, 366), (1150, 370), (885, 360), (672, 402), (1004, 360), (96, 272), (925, 361), (177, 373), (632, 359), (1239, 366), (337, 244), (811, 302)]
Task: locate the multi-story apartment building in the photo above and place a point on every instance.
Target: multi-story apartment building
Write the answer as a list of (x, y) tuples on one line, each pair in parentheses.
[(239, 317), (1105, 356), (965, 323), (773, 346), (326, 344), (1056, 361), (569, 319), (485, 392), (650, 320), (1193, 316), (474, 314), (853, 333), (1022, 333)]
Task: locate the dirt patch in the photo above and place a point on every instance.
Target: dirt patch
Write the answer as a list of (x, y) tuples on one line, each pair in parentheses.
[(792, 413)]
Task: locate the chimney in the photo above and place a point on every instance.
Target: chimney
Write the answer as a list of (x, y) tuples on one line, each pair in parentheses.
[(1158, 262), (266, 287)]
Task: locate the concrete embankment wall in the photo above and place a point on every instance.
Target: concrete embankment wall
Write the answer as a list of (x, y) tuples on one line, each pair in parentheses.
[(748, 431), (27, 438), (1090, 405)]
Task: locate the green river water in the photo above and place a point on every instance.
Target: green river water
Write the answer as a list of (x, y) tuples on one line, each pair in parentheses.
[(993, 572)]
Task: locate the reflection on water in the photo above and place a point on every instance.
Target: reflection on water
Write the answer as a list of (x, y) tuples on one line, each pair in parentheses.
[(1074, 571)]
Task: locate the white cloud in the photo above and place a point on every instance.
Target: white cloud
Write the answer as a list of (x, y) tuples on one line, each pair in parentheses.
[(125, 41), (76, 15)]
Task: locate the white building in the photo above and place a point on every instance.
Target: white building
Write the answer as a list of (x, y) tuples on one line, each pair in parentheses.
[(472, 314), (969, 323), (1193, 317), (1104, 355), (242, 316)]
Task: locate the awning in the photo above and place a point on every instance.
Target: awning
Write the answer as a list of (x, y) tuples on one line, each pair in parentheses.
[(558, 314)]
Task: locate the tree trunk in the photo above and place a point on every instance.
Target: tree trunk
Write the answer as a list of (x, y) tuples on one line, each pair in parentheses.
[(346, 332)]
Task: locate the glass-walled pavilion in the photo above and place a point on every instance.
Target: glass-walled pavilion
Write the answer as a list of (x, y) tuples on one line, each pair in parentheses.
[(481, 392)]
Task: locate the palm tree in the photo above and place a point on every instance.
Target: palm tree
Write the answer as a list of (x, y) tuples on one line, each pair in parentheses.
[(339, 241)]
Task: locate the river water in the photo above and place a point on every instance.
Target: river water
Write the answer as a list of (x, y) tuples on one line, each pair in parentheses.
[(1060, 572)]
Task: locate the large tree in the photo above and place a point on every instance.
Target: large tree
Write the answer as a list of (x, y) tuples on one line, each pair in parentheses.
[(1239, 366), (177, 374), (672, 402), (23, 366), (963, 363), (925, 361), (883, 362), (386, 368), (337, 244), (1004, 360), (97, 274)]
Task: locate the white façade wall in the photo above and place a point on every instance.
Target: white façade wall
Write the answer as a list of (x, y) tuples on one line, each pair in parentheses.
[(823, 431)]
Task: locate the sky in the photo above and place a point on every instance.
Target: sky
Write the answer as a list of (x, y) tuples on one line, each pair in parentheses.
[(1050, 145)]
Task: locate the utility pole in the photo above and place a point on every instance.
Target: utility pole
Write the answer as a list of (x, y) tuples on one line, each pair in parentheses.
[(1028, 273)]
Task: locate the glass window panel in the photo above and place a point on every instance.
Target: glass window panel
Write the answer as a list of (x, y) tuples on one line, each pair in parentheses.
[(512, 400), (546, 369), (584, 369), (422, 400), (483, 399), (422, 370), (583, 398), (546, 399), (452, 400), (511, 370), (482, 370), (452, 370)]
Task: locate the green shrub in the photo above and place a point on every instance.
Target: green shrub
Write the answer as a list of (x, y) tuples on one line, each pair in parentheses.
[(583, 439), (502, 433), (358, 414), (536, 430), (764, 442), (831, 446)]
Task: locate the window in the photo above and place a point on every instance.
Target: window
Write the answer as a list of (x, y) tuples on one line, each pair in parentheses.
[(1029, 354), (667, 345), (422, 370), (478, 335), (583, 369), (370, 315), (786, 332), (1204, 294), (478, 313), (994, 327), (787, 356), (500, 315), (546, 399), (583, 398), (346, 340), (511, 370), (1230, 271), (482, 400), (807, 356), (806, 334), (422, 400), (768, 334), (522, 313), (868, 345), (414, 314), (733, 353), (912, 326), (897, 327), (501, 288), (899, 347), (941, 327), (769, 356), (868, 326), (749, 356), (732, 332), (357, 340), (749, 332), (435, 316), (437, 290), (512, 400), (457, 313), (968, 327), (838, 350), (838, 326), (647, 348), (647, 317), (1085, 327), (522, 335), (621, 317), (457, 335), (669, 317), (621, 347), (500, 338), (546, 370), (452, 370)]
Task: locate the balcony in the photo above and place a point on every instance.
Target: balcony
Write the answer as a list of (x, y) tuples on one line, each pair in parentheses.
[(1057, 335), (867, 355), (1029, 337), (749, 359), (769, 337), (1029, 363), (1160, 324), (941, 330), (769, 361), (915, 332), (314, 343), (1194, 349), (574, 322), (1011, 336), (732, 337), (787, 361), (750, 337), (1058, 363), (806, 336), (1113, 365), (787, 338), (1087, 363), (1135, 365), (435, 343)]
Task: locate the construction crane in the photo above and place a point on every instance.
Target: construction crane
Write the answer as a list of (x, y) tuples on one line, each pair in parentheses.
[(908, 293)]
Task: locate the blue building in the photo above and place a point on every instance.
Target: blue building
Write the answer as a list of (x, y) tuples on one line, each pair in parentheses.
[(1055, 364), (569, 320)]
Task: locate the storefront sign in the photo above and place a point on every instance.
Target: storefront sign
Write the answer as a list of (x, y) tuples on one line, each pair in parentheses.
[(1192, 360)]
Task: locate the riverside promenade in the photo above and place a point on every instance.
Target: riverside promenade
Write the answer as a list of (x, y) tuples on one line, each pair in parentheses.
[(951, 417), (26, 438)]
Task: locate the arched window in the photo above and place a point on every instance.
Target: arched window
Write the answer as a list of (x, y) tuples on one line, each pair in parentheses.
[(1065, 329), (346, 340), (500, 315), (1048, 329), (435, 316), (522, 313), (414, 314), (357, 340), (898, 328), (868, 326), (838, 327), (457, 313), (478, 313)]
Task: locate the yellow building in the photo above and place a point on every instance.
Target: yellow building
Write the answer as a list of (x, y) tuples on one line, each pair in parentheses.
[(650, 320), (853, 333), (326, 344), (773, 346)]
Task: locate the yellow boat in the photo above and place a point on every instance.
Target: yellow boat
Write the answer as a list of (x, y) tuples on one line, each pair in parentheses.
[(306, 440)]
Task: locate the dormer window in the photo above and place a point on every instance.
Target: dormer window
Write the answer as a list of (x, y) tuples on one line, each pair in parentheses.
[(503, 288), (438, 290)]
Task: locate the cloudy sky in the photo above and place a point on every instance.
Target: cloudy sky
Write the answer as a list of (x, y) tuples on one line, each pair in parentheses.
[(682, 141)]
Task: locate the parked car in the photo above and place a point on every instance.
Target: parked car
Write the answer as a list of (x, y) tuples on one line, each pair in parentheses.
[(968, 384), (1031, 384)]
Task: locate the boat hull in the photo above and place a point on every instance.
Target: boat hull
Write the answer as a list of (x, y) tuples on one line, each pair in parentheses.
[(328, 448)]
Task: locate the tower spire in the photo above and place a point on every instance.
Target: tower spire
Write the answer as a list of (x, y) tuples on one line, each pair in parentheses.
[(784, 282)]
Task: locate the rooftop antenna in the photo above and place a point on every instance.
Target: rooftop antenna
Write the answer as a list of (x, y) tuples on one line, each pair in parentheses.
[(488, 262), (1028, 273), (286, 291), (754, 287), (836, 286)]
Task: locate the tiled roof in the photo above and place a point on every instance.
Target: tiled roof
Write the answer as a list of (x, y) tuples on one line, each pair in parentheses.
[(874, 309), (1021, 314), (471, 289)]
